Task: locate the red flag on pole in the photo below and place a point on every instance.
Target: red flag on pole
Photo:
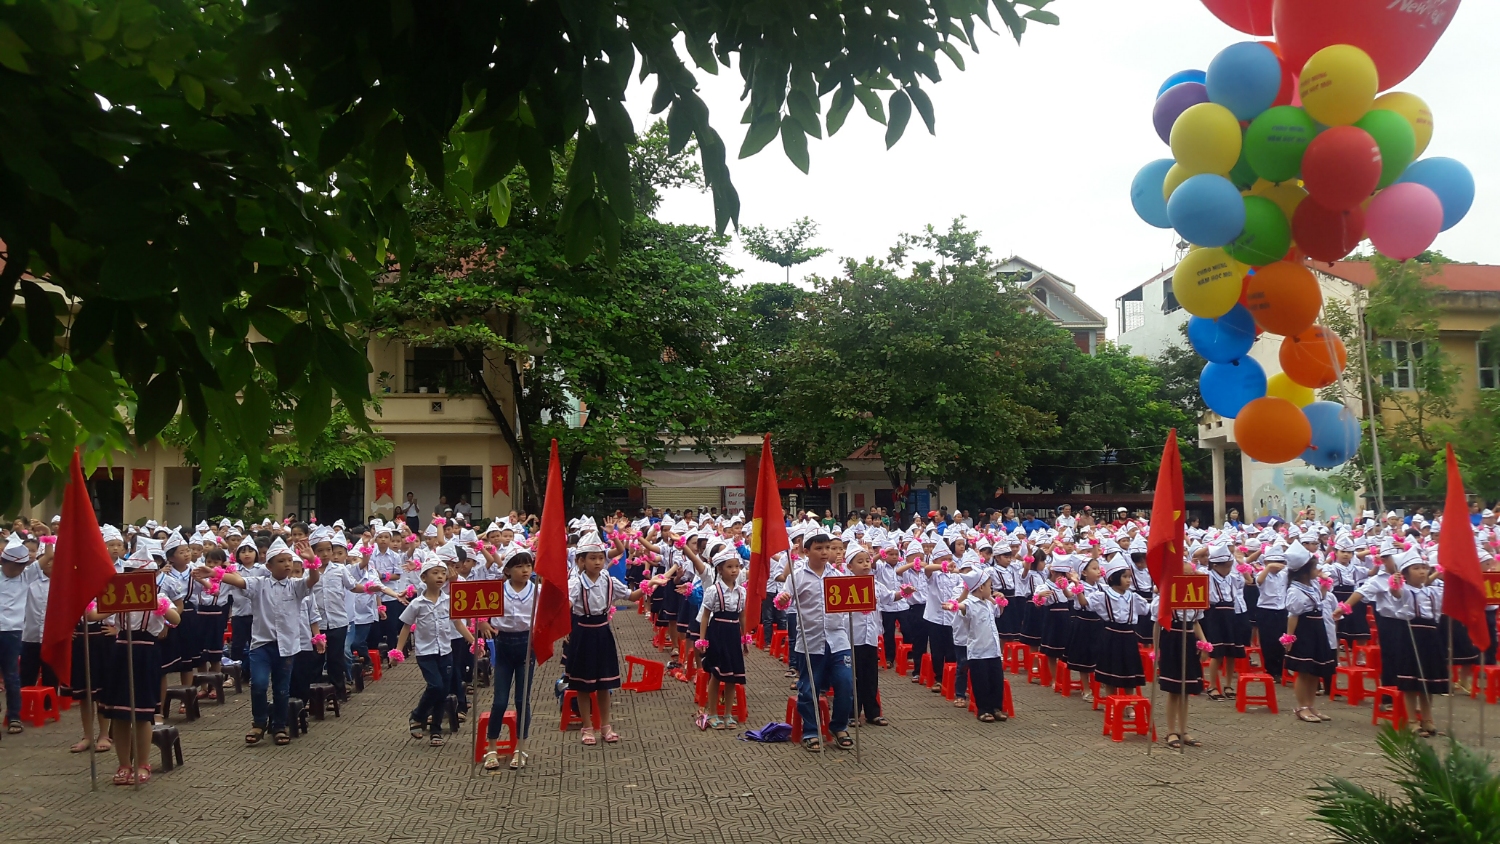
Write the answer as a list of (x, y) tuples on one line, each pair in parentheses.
[(767, 534), (1165, 544), (553, 612), (1463, 583), (81, 568)]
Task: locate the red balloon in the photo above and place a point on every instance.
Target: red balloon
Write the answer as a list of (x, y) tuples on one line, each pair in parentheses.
[(1397, 35), (1341, 167), (1327, 235), (1249, 16), (1289, 88)]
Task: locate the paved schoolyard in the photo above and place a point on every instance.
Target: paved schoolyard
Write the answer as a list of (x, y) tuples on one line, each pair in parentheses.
[(936, 775)]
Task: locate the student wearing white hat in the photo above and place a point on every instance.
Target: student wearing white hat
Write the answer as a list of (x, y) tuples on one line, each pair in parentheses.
[(427, 622), (822, 644), (1119, 606), (865, 645), (1308, 654), (721, 639), (593, 662), (510, 658), (975, 612), (1172, 657), (1422, 657), (914, 587)]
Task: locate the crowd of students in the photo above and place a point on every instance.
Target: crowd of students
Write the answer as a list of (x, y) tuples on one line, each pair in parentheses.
[(305, 603)]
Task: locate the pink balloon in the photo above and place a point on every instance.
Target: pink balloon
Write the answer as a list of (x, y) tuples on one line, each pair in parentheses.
[(1403, 220)]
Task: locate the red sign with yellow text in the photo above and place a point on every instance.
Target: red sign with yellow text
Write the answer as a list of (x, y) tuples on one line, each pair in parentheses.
[(131, 592), (1492, 588), (849, 594), (476, 599), (1190, 592)]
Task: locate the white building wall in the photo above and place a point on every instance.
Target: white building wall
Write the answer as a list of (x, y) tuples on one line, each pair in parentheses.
[(1160, 331)]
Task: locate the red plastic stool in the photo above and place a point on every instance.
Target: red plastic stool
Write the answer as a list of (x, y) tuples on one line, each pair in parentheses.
[(1267, 698), (640, 606), (740, 707), (760, 637), (502, 745), (39, 705), (1354, 690), (1148, 664), (1017, 655), (880, 651), (1370, 653), (903, 657), (569, 719), (659, 639), (1491, 675), (1064, 683), (950, 679), (1115, 721), (375, 660), (1254, 658), (1458, 671), (778, 645), (1006, 705), (794, 717), (700, 689), (926, 678), (1396, 714), (1037, 671), (652, 673), (1098, 699), (65, 702)]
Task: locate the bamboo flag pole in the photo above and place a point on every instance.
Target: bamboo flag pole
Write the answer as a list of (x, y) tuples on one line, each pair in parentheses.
[(93, 714)]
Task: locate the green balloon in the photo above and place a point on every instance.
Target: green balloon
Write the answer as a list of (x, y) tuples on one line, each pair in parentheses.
[(1242, 175), (1276, 140), (1396, 139), (1266, 237)]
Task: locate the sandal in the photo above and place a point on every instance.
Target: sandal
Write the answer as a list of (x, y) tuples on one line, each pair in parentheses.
[(143, 774), (730, 723), (283, 738), (436, 740), (1174, 741), (82, 746), (518, 761), (1191, 742), (255, 735), (588, 737), (1000, 715), (1216, 696), (878, 721), (124, 775), (610, 736), (1322, 717), (492, 761), (843, 740), (416, 729), (14, 728), (812, 745), (986, 718), (105, 745), (1304, 714), (961, 702), (715, 722)]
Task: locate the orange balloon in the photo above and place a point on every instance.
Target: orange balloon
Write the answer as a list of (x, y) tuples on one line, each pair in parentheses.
[(1315, 358), (1284, 298), (1272, 430)]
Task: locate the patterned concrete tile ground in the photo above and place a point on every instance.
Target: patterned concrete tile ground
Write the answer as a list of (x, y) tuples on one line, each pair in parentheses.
[(935, 776)]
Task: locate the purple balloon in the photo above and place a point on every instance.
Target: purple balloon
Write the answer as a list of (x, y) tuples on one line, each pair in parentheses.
[(1174, 102)]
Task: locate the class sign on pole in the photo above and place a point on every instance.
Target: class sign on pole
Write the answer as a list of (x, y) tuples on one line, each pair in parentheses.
[(128, 592), (1189, 592), (476, 599), (1492, 588), (855, 593)]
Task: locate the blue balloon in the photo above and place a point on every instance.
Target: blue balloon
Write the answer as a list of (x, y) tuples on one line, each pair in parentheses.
[(1228, 387), (1180, 77), (1145, 193), (1335, 434), (1450, 180), (1244, 78), (1224, 339), (1171, 105), (1207, 210)]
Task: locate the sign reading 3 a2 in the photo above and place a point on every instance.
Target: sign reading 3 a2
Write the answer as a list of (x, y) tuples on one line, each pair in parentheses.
[(849, 594), (129, 592), (1189, 592), (476, 599)]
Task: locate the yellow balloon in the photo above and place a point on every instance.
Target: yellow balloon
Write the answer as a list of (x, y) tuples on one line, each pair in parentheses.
[(1207, 282), (1286, 195), (1339, 84), (1206, 139), (1282, 387), (1176, 175), (1416, 112)]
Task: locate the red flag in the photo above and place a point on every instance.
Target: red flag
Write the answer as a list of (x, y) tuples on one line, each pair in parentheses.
[(1463, 583), (554, 613), (140, 484), (767, 534), (384, 483), (81, 568), (1165, 544)]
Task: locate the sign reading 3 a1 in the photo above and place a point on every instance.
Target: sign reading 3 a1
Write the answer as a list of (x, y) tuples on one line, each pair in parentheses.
[(476, 599), (1190, 592), (849, 594)]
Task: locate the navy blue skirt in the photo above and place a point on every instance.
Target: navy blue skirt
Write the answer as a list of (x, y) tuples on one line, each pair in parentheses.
[(1170, 662), (593, 662), (1056, 628), (1311, 653), (725, 657), (116, 700), (1118, 657), (1083, 641)]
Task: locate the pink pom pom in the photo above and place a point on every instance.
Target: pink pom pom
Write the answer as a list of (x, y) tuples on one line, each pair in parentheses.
[(950, 605), (411, 590), (1038, 600), (908, 590), (1030, 559), (320, 639), (48, 540), (411, 537), (1206, 647), (212, 588), (231, 567), (162, 605), (477, 646), (746, 639), (218, 573), (1287, 639), (1325, 582), (439, 521), (1244, 568), (1397, 581), (1061, 583), (1345, 608), (1076, 589), (782, 600), (1001, 602), (1244, 550), (701, 644), (313, 563), (396, 657)]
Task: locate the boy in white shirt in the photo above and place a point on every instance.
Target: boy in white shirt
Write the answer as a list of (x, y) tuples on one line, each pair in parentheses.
[(428, 616)]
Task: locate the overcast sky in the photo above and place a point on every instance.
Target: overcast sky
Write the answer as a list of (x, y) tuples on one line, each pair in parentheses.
[(1036, 144)]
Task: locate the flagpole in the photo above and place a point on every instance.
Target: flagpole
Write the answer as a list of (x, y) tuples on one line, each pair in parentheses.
[(1450, 675), (854, 678), (88, 704), (1156, 669), (130, 674), (1185, 695)]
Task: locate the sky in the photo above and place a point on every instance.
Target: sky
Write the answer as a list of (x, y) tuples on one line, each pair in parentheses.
[(1037, 144)]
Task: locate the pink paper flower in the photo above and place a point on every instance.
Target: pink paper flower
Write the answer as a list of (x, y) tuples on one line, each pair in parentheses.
[(782, 600), (48, 540), (314, 563), (1345, 608), (1076, 589), (320, 639), (1287, 639), (1245, 568), (950, 605), (1325, 582), (1397, 581), (746, 639), (439, 521), (411, 591), (1001, 602), (477, 646), (411, 537), (701, 644), (1206, 647), (1039, 600), (162, 605), (396, 657), (1061, 583), (908, 590)]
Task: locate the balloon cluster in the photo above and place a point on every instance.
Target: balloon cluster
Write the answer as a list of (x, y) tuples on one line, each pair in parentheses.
[(1283, 152)]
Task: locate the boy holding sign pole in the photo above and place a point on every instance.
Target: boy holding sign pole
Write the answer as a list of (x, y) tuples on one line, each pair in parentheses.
[(866, 642), (823, 644)]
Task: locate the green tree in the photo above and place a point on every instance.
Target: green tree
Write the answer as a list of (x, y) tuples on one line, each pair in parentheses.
[(786, 247), (173, 174)]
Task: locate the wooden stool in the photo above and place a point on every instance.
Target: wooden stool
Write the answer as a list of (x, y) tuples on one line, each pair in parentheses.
[(1354, 683), (236, 675), (450, 706), (1396, 715), (1037, 671), (39, 705), (652, 673), (186, 695), (296, 716), (359, 673), (1267, 698), (320, 697), (569, 718), (502, 745), (1115, 721), (794, 718), (483, 671), (212, 679), (169, 741)]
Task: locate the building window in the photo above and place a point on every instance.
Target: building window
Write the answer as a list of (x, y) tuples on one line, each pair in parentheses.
[(1040, 294), (1168, 298), (1489, 366), (435, 370), (1403, 355)]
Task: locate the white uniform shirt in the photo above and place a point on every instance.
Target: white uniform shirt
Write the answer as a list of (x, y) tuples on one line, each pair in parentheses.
[(339, 580), (977, 625), (13, 595), (36, 606), (887, 584), (434, 627), (1114, 607), (1273, 591), (519, 606), (1230, 587), (818, 633), (595, 597), (277, 607)]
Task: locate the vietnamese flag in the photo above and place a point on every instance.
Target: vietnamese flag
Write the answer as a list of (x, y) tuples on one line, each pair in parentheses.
[(554, 612), (1166, 542), (767, 535), (81, 568), (1463, 583)]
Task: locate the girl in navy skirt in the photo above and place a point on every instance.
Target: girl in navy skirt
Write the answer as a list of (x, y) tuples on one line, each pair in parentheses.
[(1227, 621), (1422, 659), (134, 655), (1347, 574), (178, 651), (1178, 671), (593, 663), (1056, 601), (1003, 581), (1029, 588), (722, 639), (1084, 632), (90, 634), (1309, 654), (914, 588), (212, 602), (1142, 585), (1118, 665)]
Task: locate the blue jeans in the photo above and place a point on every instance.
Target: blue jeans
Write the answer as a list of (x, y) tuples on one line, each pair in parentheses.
[(10, 668), (514, 667), (435, 671), (826, 669), (268, 668)]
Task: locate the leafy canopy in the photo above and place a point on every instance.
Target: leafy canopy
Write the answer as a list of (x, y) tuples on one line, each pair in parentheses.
[(786, 247)]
